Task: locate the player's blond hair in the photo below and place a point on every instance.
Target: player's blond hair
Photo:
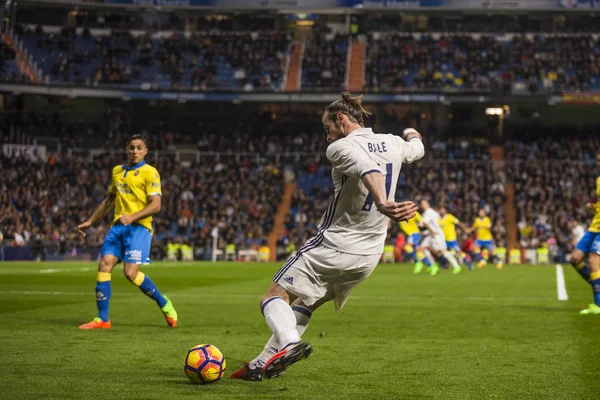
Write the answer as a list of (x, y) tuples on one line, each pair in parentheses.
[(349, 106)]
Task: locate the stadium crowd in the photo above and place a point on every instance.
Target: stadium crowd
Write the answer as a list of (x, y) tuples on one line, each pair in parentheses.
[(207, 58), (199, 61), (43, 202), (238, 189), (396, 62), (554, 179)]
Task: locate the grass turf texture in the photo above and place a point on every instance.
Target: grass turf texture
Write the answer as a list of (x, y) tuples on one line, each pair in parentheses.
[(485, 334)]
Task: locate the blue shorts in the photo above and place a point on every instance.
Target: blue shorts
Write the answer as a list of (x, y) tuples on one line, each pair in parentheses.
[(131, 243), (453, 245), (484, 244), (589, 243), (414, 239)]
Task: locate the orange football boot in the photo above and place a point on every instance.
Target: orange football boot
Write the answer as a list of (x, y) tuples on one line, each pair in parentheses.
[(96, 323)]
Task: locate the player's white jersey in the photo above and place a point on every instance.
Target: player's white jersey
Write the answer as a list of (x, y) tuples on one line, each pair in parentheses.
[(351, 223), (432, 218)]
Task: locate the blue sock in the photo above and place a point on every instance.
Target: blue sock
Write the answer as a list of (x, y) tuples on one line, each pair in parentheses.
[(149, 288), (469, 263), (583, 270), (427, 261), (103, 293), (595, 282)]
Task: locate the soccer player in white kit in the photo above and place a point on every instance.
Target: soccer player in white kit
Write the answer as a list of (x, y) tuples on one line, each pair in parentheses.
[(350, 237), (435, 242)]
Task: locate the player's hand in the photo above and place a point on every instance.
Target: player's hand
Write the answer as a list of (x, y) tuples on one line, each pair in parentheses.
[(590, 206), (398, 211), (126, 219), (81, 228)]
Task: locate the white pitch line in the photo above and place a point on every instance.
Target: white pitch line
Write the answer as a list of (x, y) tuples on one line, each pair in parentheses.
[(560, 284)]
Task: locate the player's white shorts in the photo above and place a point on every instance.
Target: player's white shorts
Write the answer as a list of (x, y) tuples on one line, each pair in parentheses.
[(325, 273), (437, 242)]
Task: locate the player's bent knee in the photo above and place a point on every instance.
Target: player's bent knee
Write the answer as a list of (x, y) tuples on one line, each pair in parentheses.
[(106, 264), (576, 257), (130, 273), (275, 291)]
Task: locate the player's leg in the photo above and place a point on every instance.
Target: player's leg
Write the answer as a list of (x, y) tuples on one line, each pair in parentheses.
[(463, 257), (578, 255), (594, 266), (253, 370), (137, 252), (452, 260), (280, 318), (480, 253), (308, 276), (424, 255), (110, 254), (103, 293), (422, 260)]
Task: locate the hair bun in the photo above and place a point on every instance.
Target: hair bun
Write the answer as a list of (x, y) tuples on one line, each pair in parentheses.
[(346, 96)]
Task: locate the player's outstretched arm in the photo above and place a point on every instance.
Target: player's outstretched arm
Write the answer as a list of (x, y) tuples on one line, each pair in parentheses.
[(403, 211), (103, 209), (153, 207)]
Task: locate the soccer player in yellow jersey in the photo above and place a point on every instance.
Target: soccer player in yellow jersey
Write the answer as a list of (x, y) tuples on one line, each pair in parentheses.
[(135, 193), (413, 239), (589, 246), (448, 223), (484, 245)]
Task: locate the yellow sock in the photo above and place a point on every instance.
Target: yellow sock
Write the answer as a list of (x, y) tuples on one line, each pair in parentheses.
[(103, 277), (139, 278)]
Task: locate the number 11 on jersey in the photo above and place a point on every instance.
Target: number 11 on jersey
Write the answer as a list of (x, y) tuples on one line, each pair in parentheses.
[(388, 186)]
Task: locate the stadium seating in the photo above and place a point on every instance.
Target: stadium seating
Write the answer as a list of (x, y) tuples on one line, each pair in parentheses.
[(396, 62), (200, 61)]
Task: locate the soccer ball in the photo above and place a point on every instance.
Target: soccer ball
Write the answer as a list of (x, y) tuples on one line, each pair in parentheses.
[(204, 364)]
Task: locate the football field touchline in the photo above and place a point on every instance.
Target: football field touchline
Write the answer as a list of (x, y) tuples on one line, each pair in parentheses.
[(560, 284), (253, 296)]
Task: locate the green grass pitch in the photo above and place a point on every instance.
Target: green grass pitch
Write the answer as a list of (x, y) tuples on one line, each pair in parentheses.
[(486, 334)]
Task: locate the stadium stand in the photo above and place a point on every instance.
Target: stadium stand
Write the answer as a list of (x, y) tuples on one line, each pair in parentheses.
[(198, 61)]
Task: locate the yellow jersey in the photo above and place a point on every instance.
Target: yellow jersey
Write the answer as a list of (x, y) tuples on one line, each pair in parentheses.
[(484, 228), (411, 226), (595, 225), (132, 187), (448, 223)]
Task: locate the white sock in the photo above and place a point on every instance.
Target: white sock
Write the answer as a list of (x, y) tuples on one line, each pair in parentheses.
[(429, 256), (302, 315), (281, 320), (451, 259)]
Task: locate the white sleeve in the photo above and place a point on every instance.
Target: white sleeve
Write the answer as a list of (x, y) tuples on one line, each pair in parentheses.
[(347, 158), (413, 150)]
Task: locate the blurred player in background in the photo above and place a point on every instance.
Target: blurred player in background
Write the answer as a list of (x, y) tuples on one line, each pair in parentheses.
[(484, 243), (589, 246), (435, 242), (448, 223), (135, 193), (413, 246), (350, 238)]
